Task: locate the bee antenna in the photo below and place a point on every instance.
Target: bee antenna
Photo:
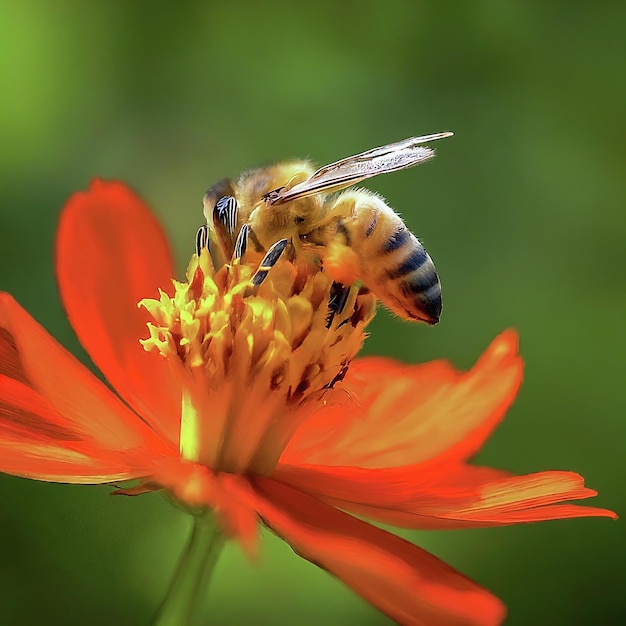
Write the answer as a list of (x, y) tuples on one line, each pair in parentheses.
[(268, 262)]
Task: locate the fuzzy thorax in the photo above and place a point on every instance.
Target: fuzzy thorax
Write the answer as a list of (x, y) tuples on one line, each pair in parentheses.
[(254, 362)]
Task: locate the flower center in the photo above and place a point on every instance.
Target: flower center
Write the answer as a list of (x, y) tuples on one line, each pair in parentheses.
[(257, 350)]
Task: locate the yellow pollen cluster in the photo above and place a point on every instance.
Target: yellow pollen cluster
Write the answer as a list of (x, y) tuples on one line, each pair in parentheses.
[(245, 351)]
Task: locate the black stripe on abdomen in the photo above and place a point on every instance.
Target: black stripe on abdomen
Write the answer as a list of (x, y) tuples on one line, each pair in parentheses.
[(400, 237), (421, 283), (425, 293), (412, 263)]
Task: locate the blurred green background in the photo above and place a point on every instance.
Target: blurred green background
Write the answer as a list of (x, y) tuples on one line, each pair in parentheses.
[(523, 212)]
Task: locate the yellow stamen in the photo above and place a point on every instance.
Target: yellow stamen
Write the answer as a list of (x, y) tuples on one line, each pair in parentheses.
[(253, 361)]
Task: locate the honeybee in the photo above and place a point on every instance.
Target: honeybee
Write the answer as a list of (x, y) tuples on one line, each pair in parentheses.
[(355, 235)]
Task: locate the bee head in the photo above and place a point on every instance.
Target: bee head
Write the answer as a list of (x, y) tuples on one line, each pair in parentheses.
[(270, 222)]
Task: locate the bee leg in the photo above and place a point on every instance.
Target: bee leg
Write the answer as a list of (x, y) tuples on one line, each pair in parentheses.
[(202, 239), (225, 217), (258, 247), (339, 377), (339, 294), (268, 262), (241, 244)]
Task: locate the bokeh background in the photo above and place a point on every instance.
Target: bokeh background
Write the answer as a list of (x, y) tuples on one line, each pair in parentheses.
[(523, 211)]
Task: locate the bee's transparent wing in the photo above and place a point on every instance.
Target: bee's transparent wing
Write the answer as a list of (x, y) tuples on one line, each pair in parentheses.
[(354, 169)]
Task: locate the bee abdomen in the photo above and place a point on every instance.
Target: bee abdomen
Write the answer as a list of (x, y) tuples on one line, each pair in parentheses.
[(418, 282)]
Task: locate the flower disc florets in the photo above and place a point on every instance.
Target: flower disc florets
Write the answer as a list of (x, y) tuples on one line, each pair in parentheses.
[(254, 357)]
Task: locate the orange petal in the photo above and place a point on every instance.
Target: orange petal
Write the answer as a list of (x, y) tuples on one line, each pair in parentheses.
[(402, 580), (459, 496), (405, 414), (111, 253), (58, 422)]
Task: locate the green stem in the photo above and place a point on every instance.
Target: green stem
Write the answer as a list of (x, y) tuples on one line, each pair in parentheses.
[(190, 584)]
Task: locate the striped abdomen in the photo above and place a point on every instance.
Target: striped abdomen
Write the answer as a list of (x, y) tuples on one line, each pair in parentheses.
[(394, 264), (414, 276)]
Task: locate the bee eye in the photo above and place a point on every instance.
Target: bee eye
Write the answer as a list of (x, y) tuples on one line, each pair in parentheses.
[(298, 219)]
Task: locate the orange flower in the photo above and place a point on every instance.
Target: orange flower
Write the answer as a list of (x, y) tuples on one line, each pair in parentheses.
[(240, 400)]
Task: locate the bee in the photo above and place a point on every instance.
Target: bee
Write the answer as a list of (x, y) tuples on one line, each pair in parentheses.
[(353, 234)]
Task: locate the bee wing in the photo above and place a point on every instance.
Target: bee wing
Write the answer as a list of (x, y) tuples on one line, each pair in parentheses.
[(352, 170)]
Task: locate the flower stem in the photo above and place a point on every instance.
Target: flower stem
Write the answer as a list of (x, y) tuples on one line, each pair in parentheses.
[(190, 584)]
